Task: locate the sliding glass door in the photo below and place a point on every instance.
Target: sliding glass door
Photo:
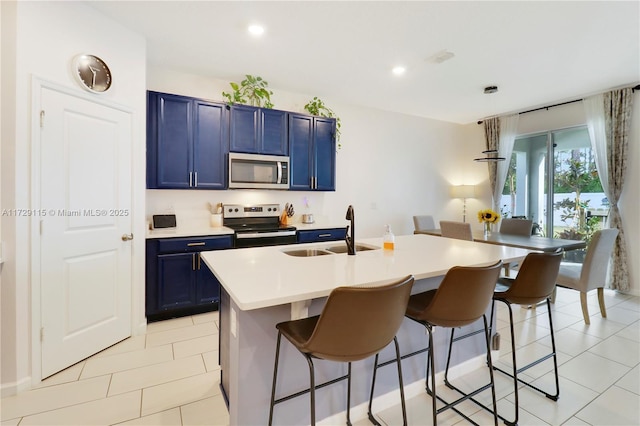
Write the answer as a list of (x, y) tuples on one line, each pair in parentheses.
[(553, 180)]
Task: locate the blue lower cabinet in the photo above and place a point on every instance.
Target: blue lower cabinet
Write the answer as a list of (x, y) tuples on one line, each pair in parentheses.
[(178, 283), (319, 235)]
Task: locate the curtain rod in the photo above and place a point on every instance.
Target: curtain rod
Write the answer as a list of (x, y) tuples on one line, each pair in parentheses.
[(633, 89)]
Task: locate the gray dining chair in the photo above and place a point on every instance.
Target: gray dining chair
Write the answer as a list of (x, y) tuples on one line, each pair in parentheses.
[(592, 274), (423, 222), (458, 230), (516, 227)]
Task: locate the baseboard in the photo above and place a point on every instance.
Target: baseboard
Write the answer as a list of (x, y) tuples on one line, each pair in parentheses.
[(390, 399), (10, 389)]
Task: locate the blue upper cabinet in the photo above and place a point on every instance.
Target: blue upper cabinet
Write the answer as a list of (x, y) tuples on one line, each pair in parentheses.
[(324, 144), (211, 145), (258, 130), (312, 152), (187, 143)]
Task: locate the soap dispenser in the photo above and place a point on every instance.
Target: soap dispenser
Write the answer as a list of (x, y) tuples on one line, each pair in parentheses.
[(388, 239)]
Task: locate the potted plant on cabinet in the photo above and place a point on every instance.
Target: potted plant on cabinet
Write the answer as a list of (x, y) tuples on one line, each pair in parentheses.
[(253, 90), (317, 107)]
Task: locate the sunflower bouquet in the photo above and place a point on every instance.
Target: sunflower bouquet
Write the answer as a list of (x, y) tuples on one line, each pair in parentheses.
[(488, 216)]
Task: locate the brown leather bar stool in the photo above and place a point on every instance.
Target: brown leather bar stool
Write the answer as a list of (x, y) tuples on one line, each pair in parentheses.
[(534, 283), (462, 298), (355, 323)]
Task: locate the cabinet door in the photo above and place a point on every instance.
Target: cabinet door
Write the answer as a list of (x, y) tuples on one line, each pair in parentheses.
[(243, 123), (273, 132), (324, 146), (176, 280), (210, 146), (318, 235), (169, 141), (207, 285), (300, 151)]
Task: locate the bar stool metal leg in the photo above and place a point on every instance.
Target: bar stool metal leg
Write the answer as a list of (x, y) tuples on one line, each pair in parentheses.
[(275, 375), (470, 395), (349, 394), (516, 370), (400, 381), (312, 388)]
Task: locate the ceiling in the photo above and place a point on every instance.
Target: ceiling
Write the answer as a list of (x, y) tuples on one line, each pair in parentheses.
[(537, 53)]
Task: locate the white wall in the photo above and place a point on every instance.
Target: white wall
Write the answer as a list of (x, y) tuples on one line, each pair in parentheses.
[(391, 166), (573, 115), (45, 36)]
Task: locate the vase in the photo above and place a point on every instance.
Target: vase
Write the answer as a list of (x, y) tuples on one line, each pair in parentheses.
[(487, 229)]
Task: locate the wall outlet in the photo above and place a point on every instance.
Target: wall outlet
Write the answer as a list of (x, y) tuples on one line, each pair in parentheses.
[(234, 323), (495, 342)]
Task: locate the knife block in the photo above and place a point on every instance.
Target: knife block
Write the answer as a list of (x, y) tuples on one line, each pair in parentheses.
[(284, 219)]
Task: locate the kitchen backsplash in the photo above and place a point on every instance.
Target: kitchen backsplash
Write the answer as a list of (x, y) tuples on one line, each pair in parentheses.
[(195, 204)]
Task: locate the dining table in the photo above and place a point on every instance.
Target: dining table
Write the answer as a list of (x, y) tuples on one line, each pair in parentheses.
[(532, 242)]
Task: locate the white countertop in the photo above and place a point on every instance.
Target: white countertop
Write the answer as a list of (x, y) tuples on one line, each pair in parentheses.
[(188, 231), (201, 228), (266, 276)]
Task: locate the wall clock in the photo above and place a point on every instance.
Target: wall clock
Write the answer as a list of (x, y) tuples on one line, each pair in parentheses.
[(92, 73)]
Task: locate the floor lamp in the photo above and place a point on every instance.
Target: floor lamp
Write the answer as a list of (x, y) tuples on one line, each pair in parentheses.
[(464, 192)]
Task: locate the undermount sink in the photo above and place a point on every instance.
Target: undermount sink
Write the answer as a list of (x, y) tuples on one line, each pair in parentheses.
[(343, 248), (306, 252)]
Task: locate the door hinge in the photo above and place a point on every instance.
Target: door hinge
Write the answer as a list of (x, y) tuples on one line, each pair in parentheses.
[(41, 118), (42, 334)]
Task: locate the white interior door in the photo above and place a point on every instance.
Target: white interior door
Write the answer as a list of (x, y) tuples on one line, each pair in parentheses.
[(85, 205)]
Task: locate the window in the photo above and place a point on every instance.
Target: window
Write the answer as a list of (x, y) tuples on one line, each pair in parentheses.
[(555, 172)]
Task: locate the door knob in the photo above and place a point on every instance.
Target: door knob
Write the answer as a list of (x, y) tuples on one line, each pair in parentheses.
[(127, 237)]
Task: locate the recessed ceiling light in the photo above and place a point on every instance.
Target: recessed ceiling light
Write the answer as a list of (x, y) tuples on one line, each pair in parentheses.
[(399, 70), (256, 30)]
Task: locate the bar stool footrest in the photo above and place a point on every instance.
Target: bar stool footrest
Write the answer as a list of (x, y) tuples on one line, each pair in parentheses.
[(545, 393), (305, 391), (469, 396)]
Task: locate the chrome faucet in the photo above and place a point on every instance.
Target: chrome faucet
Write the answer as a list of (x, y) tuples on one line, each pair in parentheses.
[(350, 239)]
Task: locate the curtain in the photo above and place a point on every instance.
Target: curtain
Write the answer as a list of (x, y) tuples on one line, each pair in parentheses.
[(507, 136), (492, 142), (609, 121)]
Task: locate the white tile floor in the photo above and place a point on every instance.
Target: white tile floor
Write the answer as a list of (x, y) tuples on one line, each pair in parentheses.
[(170, 375)]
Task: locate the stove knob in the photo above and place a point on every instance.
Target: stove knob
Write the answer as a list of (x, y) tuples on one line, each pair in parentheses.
[(230, 210), (236, 210)]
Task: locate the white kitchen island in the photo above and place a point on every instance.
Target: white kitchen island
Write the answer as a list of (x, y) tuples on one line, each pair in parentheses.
[(263, 286)]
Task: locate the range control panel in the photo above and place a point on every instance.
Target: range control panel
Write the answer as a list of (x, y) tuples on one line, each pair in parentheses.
[(251, 211)]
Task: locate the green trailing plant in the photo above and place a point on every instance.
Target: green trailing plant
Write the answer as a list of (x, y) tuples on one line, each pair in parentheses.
[(317, 107), (251, 91)]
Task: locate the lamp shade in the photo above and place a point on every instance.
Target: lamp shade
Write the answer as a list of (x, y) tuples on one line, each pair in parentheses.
[(463, 191)]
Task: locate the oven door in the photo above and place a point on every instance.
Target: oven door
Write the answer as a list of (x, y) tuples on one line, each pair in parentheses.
[(263, 239)]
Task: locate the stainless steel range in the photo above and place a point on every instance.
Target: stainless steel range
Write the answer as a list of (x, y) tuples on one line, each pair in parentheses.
[(257, 225)]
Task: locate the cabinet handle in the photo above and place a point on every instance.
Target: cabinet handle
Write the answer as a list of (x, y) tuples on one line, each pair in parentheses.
[(324, 235), (193, 262), (196, 180), (199, 261), (190, 179), (196, 244)]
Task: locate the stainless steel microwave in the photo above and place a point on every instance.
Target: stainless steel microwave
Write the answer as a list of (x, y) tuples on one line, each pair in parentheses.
[(258, 171)]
